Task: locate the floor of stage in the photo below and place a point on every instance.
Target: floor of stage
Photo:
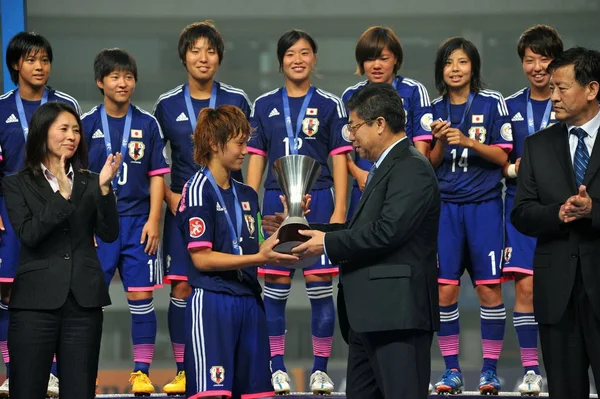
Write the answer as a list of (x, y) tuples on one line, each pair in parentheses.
[(303, 395)]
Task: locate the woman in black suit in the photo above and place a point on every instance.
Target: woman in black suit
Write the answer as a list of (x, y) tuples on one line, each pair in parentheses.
[(56, 207)]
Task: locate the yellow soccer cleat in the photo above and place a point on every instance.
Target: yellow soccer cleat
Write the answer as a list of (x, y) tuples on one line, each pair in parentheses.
[(141, 384), (177, 386)]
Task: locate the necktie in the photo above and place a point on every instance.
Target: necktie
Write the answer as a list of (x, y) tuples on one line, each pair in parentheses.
[(371, 174), (582, 157)]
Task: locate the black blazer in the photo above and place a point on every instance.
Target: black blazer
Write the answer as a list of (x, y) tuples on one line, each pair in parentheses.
[(57, 245), (545, 181), (387, 253)]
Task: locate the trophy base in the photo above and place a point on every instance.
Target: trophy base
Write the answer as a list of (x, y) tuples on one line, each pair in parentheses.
[(289, 238)]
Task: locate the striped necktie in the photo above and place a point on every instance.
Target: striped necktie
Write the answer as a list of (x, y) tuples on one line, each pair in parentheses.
[(582, 157)]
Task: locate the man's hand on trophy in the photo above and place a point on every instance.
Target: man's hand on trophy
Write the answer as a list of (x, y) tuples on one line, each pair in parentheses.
[(271, 223), (271, 257), (313, 247)]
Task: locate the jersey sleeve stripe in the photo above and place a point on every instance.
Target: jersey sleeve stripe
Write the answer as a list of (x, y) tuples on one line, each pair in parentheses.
[(154, 119), (195, 190), (341, 150), (423, 94), (235, 90), (70, 99), (423, 137), (341, 109), (158, 172), (90, 112), (515, 95), (256, 151), (199, 244), (253, 108), (167, 94), (504, 146)]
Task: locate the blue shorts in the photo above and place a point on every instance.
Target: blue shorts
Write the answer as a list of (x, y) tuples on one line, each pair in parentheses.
[(175, 255), (355, 195), (226, 346), (138, 270), (318, 214), (519, 248), (471, 237), (10, 246)]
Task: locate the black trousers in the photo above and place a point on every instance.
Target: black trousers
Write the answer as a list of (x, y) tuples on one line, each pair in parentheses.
[(571, 346), (389, 365), (34, 336)]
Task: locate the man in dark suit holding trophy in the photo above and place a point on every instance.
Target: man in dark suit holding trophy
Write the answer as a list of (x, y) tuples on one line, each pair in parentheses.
[(388, 298)]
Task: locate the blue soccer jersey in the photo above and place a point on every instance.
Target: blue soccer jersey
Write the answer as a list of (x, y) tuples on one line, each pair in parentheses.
[(12, 137), (172, 114), (464, 176), (416, 107), (143, 157), (321, 134), (202, 218), (543, 116)]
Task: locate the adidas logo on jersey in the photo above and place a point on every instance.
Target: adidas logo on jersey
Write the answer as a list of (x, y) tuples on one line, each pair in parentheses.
[(219, 208), (12, 119), (518, 117), (273, 112), (98, 134), (182, 118)]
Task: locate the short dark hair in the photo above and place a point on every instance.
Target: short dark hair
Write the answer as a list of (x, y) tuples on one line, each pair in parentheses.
[(217, 127), (444, 52), (22, 45), (541, 39), (586, 65), (379, 99), (371, 44), (288, 39), (110, 60), (194, 31), (36, 147)]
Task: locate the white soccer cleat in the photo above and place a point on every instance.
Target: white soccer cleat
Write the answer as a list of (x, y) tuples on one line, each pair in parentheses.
[(531, 385), (4, 389), (281, 382), (52, 386), (320, 383)]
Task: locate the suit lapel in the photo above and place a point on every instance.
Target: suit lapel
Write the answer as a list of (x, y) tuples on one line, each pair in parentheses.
[(594, 163), (80, 181), (42, 188), (563, 155), (380, 173)]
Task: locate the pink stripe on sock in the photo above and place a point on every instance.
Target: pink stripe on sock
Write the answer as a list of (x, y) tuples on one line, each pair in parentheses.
[(178, 350), (322, 346), (449, 345), (4, 349), (529, 357), (143, 353), (277, 344), (491, 348), (54, 359)]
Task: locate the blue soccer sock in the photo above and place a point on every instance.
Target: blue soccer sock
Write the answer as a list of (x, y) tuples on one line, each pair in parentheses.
[(449, 335), (320, 295), (527, 332), (143, 333), (176, 322), (493, 323), (276, 296)]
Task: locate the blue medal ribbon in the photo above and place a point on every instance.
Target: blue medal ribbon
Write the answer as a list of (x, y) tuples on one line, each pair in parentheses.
[(530, 121), (21, 110), (292, 142), (190, 107), (465, 113), (108, 140), (236, 235)]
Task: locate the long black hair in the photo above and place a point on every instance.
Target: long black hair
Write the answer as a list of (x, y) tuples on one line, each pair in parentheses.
[(36, 148)]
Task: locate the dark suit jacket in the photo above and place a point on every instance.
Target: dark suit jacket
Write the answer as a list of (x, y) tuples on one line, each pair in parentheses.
[(545, 181), (387, 252), (56, 235)]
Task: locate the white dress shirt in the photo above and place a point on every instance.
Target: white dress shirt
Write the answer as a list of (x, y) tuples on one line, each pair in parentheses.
[(591, 128)]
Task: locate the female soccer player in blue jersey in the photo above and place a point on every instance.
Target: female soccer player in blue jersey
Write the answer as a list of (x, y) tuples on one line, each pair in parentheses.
[(118, 125), (226, 339), (379, 57), (530, 110), (29, 61), (299, 118), (472, 138), (201, 50)]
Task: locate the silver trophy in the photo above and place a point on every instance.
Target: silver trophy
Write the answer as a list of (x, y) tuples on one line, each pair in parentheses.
[(295, 175)]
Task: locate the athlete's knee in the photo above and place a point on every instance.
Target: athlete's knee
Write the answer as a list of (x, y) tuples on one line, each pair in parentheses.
[(318, 278), (180, 289), (138, 295), (277, 279), (490, 295), (448, 294), (524, 290)]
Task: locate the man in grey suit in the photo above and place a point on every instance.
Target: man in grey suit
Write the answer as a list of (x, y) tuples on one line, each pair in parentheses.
[(388, 297)]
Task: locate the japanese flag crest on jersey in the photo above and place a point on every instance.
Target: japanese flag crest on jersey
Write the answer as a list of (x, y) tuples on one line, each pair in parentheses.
[(217, 374), (310, 126), (136, 150), (477, 133)]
